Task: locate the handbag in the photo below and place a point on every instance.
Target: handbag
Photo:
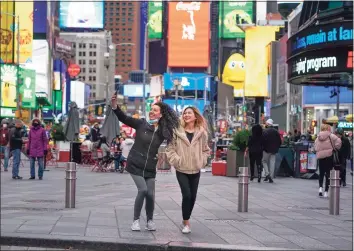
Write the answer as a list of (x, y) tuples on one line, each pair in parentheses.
[(336, 161)]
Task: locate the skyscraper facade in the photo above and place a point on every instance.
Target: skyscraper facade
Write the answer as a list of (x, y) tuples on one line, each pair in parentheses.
[(122, 18)]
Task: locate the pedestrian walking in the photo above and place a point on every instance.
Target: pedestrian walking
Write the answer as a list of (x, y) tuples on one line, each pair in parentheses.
[(142, 159), (255, 150), (325, 144), (344, 155), (271, 143), (188, 153), (16, 142), (4, 144), (95, 133), (37, 148)]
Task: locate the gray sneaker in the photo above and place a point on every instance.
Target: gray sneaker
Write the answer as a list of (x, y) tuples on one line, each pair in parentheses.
[(150, 225), (136, 226)]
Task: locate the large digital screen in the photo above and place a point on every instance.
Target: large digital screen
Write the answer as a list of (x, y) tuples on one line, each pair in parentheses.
[(155, 19), (25, 11), (231, 15), (313, 95), (40, 17), (7, 35), (77, 93), (184, 103), (131, 90), (256, 59), (77, 14), (188, 34), (8, 85), (189, 81)]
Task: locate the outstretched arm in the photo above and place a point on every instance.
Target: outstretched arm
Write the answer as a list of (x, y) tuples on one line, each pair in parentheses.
[(129, 121)]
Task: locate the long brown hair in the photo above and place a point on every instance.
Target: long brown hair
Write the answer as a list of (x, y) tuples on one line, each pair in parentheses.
[(199, 122)]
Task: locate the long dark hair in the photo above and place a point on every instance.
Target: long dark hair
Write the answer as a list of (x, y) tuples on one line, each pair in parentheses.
[(103, 140), (168, 122)]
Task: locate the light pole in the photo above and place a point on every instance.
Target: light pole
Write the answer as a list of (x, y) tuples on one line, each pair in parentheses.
[(145, 65)]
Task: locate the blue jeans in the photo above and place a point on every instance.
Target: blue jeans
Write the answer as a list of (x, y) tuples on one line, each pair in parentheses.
[(5, 150), (117, 161), (40, 166), (16, 162)]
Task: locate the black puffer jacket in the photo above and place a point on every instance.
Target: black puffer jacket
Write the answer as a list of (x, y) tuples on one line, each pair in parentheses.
[(255, 141), (142, 158), (271, 140)]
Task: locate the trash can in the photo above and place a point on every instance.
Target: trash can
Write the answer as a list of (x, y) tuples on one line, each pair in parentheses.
[(162, 163)]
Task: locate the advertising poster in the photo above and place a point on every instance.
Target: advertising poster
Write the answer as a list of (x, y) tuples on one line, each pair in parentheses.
[(256, 41), (234, 70), (28, 88), (303, 161), (77, 14), (232, 14), (311, 161), (155, 20), (8, 78), (184, 103), (188, 34), (189, 81), (6, 33), (25, 11), (40, 17)]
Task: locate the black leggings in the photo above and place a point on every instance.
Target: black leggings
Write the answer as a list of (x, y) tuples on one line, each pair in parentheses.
[(255, 158), (189, 188), (325, 166)]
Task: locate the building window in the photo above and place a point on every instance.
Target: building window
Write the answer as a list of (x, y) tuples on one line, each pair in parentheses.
[(80, 62), (94, 78), (94, 95), (94, 61), (84, 61), (84, 46), (83, 70), (80, 45), (94, 87), (90, 78), (90, 61)]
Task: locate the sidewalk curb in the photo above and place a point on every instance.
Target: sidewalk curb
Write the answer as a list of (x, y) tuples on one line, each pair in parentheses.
[(96, 243)]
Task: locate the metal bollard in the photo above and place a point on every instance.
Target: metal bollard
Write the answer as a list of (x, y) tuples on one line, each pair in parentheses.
[(334, 192), (243, 189), (70, 190)]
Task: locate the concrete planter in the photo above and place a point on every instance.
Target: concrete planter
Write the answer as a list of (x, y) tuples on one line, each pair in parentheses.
[(231, 167)]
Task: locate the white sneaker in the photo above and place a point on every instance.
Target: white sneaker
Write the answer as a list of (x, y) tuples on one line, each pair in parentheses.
[(186, 229), (325, 195), (151, 226), (320, 191), (136, 225)]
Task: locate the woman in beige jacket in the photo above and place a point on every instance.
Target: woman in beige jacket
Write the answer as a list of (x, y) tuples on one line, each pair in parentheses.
[(188, 153)]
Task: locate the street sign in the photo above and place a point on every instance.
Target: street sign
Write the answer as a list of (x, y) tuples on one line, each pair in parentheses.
[(74, 70)]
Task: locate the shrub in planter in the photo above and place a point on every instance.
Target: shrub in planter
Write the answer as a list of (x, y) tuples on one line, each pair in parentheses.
[(57, 133), (240, 140)]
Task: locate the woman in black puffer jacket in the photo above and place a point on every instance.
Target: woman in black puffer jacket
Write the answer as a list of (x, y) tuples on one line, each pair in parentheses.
[(255, 150)]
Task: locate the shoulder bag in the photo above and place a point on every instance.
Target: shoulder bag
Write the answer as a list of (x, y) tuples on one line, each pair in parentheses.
[(335, 154)]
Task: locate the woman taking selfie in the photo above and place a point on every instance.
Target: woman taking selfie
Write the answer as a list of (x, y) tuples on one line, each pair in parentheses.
[(188, 153), (142, 158)]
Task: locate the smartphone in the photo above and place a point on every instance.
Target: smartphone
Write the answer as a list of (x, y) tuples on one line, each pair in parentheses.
[(116, 93)]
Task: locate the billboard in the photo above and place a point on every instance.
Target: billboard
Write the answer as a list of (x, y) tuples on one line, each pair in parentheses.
[(231, 14), (77, 93), (256, 41), (136, 90), (40, 17), (188, 34), (184, 103), (234, 71), (143, 21), (155, 19), (6, 33), (28, 88), (25, 11), (77, 14), (189, 81), (320, 95), (8, 78)]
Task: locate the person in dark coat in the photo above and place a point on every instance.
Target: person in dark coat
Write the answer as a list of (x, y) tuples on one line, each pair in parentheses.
[(142, 158), (271, 142), (344, 154), (95, 133), (255, 150), (37, 148), (16, 142)]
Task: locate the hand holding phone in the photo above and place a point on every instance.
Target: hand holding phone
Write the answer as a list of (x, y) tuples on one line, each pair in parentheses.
[(114, 102)]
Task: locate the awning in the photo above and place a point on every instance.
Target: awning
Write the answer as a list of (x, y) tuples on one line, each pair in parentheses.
[(42, 99), (349, 118), (331, 120)]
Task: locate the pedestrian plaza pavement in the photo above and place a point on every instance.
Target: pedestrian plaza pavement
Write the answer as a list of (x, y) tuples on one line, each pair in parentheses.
[(287, 214)]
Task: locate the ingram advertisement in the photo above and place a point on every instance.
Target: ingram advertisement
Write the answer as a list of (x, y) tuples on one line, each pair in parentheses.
[(232, 14), (75, 14), (188, 34), (256, 41), (155, 19), (189, 81)]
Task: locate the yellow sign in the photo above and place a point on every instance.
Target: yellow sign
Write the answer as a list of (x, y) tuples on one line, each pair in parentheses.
[(234, 73), (256, 41), (6, 31), (25, 11), (8, 74)]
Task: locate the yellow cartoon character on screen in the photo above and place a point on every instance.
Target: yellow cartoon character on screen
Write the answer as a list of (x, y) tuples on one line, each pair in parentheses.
[(236, 17), (234, 73), (8, 85), (155, 21)]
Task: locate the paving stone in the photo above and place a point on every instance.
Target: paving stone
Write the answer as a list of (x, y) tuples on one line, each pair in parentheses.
[(68, 230), (43, 229), (102, 232), (145, 235), (102, 222)]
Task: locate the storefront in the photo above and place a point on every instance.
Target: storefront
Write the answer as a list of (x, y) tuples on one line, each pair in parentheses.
[(322, 55)]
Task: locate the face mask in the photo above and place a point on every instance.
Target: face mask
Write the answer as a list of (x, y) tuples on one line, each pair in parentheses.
[(153, 121), (35, 124)]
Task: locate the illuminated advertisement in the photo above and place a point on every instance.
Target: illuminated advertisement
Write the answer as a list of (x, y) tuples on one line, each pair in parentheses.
[(231, 15), (77, 14), (155, 19), (256, 41), (6, 33), (8, 78), (189, 81), (234, 73), (188, 34), (184, 103), (77, 93), (40, 17), (132, 90), (28, 88), (25, 11)]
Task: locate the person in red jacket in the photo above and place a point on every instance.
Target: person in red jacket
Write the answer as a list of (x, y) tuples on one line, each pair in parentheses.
[(4, 144), (37, 148)]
